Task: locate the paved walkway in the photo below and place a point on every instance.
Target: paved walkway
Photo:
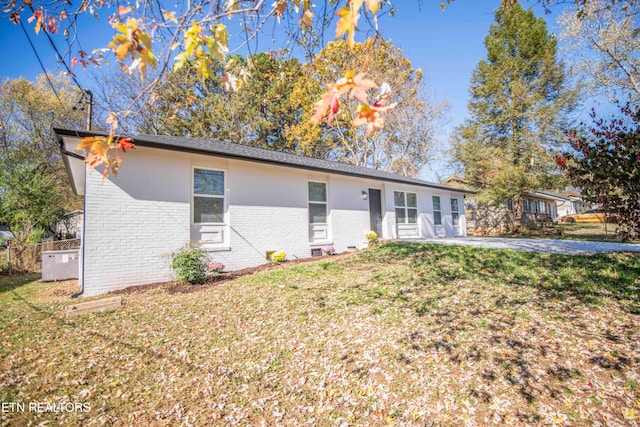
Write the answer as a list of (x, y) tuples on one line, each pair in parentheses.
[(572, 247)]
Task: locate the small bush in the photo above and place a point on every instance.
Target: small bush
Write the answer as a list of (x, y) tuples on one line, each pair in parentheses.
[(190, 266), (215, 267), (328, 250), (372, 236), (278, 256)]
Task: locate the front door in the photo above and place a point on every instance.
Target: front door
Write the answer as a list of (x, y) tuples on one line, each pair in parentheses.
[(375, 211)]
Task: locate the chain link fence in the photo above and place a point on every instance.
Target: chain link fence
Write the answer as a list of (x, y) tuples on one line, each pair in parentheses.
[(28, 258)]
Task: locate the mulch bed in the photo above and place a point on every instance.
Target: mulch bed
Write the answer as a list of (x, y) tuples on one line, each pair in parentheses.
[(182, 288)]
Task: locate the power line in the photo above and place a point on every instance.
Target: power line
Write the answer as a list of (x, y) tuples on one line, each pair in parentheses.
[(60, 58), (55, 92), (85, 94)]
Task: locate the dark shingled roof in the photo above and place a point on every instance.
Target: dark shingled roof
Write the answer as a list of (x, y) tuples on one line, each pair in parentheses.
[(254, 154)]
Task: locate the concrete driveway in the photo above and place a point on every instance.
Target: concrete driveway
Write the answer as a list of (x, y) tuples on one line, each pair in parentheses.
[(571, 247)]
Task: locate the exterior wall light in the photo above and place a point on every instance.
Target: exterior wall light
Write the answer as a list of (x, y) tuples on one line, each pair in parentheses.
[(364, 195)]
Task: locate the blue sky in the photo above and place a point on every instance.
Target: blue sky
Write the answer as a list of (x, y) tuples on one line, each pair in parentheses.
[(447, 45)]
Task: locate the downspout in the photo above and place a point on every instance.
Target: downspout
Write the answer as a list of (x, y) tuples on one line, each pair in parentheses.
[(84, 217)]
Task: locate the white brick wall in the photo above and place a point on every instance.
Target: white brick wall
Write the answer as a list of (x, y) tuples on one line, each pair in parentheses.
[(135, 221)]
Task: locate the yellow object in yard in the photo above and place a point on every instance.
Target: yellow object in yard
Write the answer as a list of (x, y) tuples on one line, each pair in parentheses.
[(593, 215)]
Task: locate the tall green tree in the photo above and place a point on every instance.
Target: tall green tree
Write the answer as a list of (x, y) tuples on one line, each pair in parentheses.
[(29, 201), (520, 102), (254, 109), (34, 188)]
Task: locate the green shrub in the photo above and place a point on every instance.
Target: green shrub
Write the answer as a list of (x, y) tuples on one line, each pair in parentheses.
[(190, 266)]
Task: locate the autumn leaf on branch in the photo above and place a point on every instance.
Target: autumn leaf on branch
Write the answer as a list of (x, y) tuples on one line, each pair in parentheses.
[(348, 21), (132, 41), (103, 150), (328, 106), (100, 149), (356, 85), (281, 7), (203, 48), (349, 16), (370, 114)]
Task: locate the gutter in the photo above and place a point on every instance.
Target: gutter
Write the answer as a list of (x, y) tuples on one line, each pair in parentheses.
[(69, 153), (65, 152), (142, 142)]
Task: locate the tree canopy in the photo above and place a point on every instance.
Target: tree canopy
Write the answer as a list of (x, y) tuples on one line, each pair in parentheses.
[(403, 141), (153, 38), (604, 162), (519, 101), (603, 40), (34, 189)]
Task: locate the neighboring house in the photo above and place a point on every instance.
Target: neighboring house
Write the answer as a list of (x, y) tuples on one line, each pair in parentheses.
[(537, 207), (574, 205), (71, 226), (237, 203)]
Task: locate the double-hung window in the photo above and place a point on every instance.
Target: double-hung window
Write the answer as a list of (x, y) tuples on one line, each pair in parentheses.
[(208, 196), (437, 211), (455, 212), (406, 205), (317, 202)]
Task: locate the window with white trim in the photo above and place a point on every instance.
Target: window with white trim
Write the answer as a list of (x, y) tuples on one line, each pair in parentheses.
[(455, 212), (208, 196), (437, 211), (406, 205), (317, 202)]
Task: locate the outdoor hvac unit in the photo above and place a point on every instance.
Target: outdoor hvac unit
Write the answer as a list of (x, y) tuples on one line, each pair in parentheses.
[(60, 265)]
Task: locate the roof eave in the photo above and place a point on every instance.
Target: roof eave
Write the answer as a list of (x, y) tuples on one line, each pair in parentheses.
[(141, 141)]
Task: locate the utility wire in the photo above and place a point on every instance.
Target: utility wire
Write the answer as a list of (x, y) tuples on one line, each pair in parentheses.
[(55, 92), (60, 58)]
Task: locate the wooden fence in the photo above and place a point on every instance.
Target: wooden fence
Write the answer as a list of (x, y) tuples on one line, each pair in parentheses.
[(28, 258)]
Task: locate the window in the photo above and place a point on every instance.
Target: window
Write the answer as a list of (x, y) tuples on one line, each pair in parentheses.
[(317, 202), (406, 205), (208, 196), (455, 213), (437, 211), (544, 207)]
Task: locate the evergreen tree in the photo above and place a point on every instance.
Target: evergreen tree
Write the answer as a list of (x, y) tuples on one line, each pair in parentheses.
[(519, 101)]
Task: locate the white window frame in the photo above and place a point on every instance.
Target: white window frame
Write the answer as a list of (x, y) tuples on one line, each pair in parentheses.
[(455, 215), (325, 203), (406, 206), (433, 199), (212, 196)]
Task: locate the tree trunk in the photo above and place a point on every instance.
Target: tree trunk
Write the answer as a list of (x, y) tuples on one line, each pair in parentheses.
[(516, 223)]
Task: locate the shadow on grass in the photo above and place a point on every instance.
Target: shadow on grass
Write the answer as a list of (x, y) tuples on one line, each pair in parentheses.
[(11, 282), (588, 278), (78, 325)]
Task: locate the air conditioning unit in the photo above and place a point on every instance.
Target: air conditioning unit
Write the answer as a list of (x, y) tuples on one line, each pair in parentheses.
[(60, 265)]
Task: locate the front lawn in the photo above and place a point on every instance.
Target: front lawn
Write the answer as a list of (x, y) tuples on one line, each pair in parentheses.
[(405, 334), (576, 231)]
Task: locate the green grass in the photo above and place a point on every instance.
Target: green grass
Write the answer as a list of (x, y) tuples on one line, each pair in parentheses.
[(403, 334), (576, 231)]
